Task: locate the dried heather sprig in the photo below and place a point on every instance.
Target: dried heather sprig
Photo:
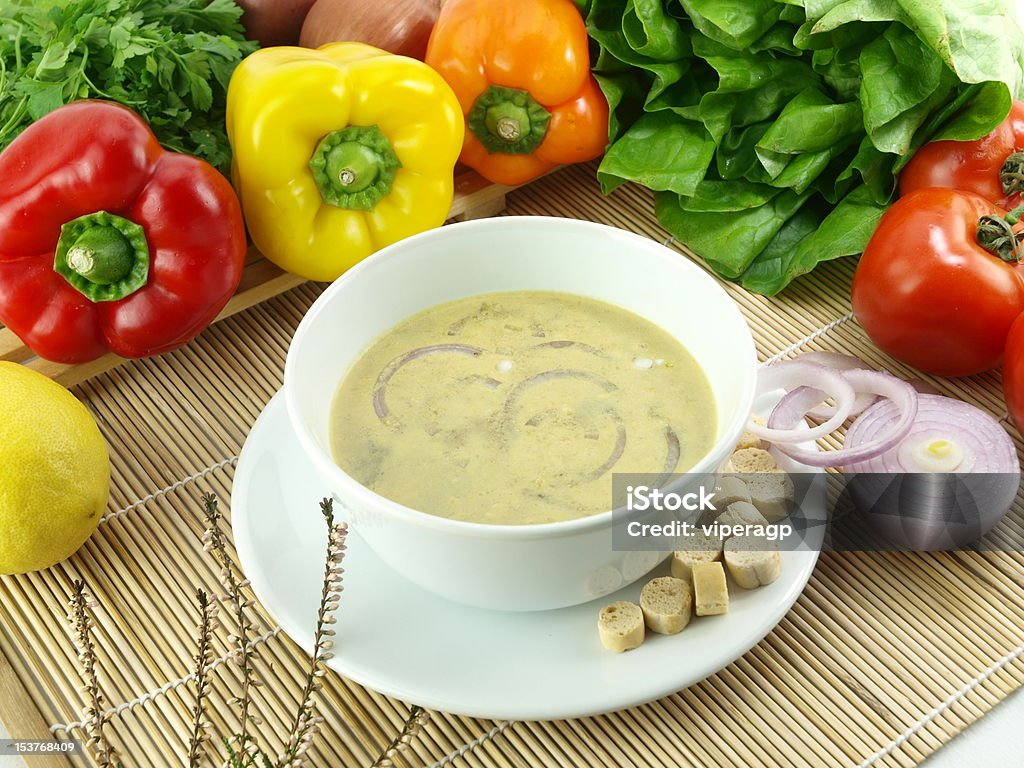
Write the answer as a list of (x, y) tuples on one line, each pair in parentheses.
[(95, 717), (418, 718), (307, 723), (203, 659), (255, 758), (214, 542)]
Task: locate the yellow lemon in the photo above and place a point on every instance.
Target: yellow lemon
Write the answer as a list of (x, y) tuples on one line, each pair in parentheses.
[(54, 471)]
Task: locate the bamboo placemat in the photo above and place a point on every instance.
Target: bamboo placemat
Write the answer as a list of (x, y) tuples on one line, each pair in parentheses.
[(884, 658)]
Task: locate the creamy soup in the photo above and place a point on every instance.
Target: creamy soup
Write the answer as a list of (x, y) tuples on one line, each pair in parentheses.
[(517, 407)]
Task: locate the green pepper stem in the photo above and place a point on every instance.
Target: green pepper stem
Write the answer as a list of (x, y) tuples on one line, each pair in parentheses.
[(1014, 216), (355, 167), (1011, 175), (995, 234), (508, 121), (102, 256)]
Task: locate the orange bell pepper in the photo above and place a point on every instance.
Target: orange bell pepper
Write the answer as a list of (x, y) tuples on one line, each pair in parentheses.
[(521, 71)]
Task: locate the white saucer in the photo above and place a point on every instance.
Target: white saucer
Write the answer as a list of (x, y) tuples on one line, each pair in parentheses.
[(407, 643)]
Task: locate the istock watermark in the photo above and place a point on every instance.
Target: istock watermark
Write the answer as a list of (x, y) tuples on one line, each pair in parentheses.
[(816, 511), (643, 497), (721, 531), (29, 747)]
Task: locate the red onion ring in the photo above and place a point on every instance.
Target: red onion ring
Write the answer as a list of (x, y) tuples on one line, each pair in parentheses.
[(835, 360), (568, 343), (840, 363), (898, 392), (380, 405), (674, 452), (617, 450), (794, 406), (986, 445), (512, 405), (488, 381), (512, 402)]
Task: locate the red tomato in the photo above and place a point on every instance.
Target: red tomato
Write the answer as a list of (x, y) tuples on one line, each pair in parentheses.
[(971, 166), (928, 294), (1013, 372)]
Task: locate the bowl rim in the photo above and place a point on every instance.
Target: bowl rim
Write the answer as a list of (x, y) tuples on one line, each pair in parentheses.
[(355, 492)]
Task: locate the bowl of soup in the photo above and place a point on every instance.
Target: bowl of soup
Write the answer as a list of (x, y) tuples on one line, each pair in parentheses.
[(468, 395)]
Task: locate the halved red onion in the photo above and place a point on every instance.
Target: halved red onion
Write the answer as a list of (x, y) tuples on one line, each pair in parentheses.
[(946, 435), (840, 363), (811, 383), (898, 392), (949, 481), (380, 405)]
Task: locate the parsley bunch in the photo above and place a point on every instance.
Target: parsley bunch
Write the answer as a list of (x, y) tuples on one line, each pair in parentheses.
[(169, 60)]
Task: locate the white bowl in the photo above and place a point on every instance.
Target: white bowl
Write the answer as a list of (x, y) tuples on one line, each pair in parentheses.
[(509, 567)]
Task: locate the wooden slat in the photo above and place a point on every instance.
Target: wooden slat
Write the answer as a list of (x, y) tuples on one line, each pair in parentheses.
[(475, 197), (11, 347)]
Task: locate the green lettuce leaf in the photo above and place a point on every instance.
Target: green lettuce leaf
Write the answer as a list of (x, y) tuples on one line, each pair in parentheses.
[(651, 32), (751, 87), (979, 40), (809, 123), (772, 130), (733, 23), (807, 240), (730, 240), (989, 105), (717, 196), (660, 151)]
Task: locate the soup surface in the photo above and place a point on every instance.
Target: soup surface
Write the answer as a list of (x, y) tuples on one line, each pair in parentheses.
[(516, 408)]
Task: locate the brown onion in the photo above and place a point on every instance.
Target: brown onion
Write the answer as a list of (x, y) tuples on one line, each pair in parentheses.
[(274, 22), (396, 26)]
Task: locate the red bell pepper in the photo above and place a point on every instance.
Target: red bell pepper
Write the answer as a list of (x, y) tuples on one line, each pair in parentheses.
[(108, 242)]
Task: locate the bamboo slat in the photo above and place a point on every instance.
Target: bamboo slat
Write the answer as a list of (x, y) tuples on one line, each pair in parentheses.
[(20, 716), (884, 658)]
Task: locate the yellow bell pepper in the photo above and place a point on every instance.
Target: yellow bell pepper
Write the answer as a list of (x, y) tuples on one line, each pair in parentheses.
[(340, 151)]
